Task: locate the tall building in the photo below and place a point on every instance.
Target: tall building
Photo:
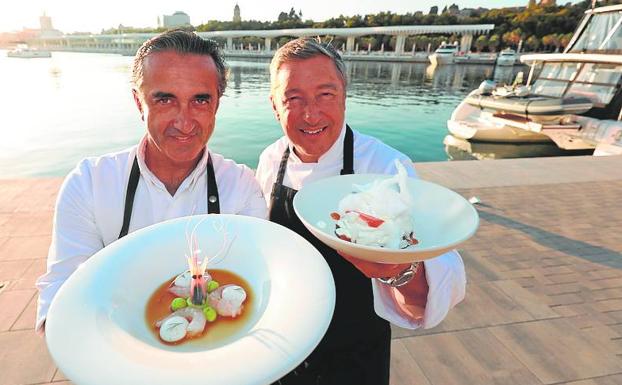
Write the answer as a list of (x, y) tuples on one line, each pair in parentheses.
[(45, 22), (45, 27), (177, 19), (236, 14)]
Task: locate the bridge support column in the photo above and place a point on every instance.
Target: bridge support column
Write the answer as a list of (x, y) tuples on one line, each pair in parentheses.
[(229, 44), (268, 44), (466, 42), (350, 44), (399, 44)]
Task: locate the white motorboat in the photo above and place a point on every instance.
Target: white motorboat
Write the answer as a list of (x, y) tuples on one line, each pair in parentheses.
[(23, 51), (444, 54), (573, 98), (507, 57)]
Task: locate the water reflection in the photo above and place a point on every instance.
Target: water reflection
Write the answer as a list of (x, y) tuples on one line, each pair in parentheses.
[(460, 149), (89, 110)]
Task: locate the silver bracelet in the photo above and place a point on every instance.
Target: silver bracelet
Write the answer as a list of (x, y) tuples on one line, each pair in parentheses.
[(403, 277)]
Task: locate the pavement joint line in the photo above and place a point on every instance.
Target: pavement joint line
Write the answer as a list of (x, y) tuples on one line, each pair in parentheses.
[(586, 378), (35, 293), (480, 327)]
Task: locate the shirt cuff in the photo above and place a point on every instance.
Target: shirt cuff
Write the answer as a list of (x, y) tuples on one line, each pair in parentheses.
[(446, 279)]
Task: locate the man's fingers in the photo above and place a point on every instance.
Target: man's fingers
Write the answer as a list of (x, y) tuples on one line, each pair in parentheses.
[(373, 269)]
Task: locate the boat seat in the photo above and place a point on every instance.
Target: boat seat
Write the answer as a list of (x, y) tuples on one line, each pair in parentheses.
[(531, 104)]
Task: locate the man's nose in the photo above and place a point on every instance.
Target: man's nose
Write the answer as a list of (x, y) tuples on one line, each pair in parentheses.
[(312, 113), (184, 121)]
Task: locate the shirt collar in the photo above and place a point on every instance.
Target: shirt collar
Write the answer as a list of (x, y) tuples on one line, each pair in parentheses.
[(334, 153), (190, 179)]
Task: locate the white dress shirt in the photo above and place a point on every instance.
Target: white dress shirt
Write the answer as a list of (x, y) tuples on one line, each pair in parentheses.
[(90, 206), (445, 274)]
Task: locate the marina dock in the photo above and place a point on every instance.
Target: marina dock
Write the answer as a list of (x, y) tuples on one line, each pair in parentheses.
[(544, 271)]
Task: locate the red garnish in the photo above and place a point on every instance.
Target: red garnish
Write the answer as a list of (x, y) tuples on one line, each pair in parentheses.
[(343, 237), (335, 216), (411, 239), (370, 220)]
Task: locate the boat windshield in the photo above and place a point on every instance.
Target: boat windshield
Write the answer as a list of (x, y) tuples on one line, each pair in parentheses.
[(595, 81), (603, 34)]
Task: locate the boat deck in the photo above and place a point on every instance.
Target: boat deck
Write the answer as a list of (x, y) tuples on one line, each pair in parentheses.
[(544, 294)]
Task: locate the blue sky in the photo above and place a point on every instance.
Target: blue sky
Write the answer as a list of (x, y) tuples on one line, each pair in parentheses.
[(70, 16)]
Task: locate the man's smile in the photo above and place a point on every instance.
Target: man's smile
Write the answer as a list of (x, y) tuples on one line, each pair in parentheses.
[(313, 131)]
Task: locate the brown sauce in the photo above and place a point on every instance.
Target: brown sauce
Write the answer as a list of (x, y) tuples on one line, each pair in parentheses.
[(215, 333)]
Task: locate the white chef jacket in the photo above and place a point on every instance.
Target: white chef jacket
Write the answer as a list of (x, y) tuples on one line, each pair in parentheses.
[(445, 274), (90, 206)]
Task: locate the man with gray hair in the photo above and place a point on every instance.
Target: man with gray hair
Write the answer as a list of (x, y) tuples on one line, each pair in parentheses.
[(308, 96), (178, 79)]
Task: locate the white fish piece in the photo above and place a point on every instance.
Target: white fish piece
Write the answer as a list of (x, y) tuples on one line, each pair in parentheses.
[(195, 320), (228, 300), (173, 329)]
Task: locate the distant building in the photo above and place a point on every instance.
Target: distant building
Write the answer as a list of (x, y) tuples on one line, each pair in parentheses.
[(236, 14), (45, 22), (467, 12), (418, 13), (434, 10), (177, 19), (453, 10), (45, 27)]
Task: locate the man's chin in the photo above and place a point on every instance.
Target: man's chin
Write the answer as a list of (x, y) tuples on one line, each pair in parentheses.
[(185, 157)]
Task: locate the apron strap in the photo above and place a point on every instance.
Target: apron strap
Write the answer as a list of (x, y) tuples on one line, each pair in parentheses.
[(129, 197), (213, 204), (348, 153)]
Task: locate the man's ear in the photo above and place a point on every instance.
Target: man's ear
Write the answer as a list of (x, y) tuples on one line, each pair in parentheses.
[(276, 111), (139, 103)]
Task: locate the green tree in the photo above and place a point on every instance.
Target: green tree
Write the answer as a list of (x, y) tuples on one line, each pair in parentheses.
[(481, 43), (493, 43), (533, 43)]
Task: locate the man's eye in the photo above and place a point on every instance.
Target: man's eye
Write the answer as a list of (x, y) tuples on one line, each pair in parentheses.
[(202, 101), (164, 100), (326, 95), (293, 100)]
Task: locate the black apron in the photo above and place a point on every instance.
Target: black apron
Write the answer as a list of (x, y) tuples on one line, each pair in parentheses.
[(213, 205), (357, 346)]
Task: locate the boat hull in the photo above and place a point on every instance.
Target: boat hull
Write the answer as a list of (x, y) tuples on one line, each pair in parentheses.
[(467, 122), (437, 59), (29, 55)]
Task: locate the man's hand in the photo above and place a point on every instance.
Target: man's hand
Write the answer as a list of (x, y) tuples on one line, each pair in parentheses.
[(375, 270), (415, 292)]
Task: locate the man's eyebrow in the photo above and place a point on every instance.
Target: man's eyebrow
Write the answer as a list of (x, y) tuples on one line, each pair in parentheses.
[(160, 94), (291, 91), (332, 86), (203, 96)]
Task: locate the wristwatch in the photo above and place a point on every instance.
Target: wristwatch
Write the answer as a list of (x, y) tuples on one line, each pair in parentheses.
[(403, 277)]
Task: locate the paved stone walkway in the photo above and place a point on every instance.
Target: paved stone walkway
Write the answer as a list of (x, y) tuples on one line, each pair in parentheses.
[(544, 294)]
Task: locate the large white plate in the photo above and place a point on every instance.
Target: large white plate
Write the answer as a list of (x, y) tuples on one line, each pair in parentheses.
[(96, 330), (443, 219)]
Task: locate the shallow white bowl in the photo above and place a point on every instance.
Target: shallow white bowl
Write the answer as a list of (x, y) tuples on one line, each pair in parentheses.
[(443, 219), (96, 330)]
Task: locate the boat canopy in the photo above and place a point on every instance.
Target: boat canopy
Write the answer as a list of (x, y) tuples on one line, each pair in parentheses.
[(598, 82), (599, 32)]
